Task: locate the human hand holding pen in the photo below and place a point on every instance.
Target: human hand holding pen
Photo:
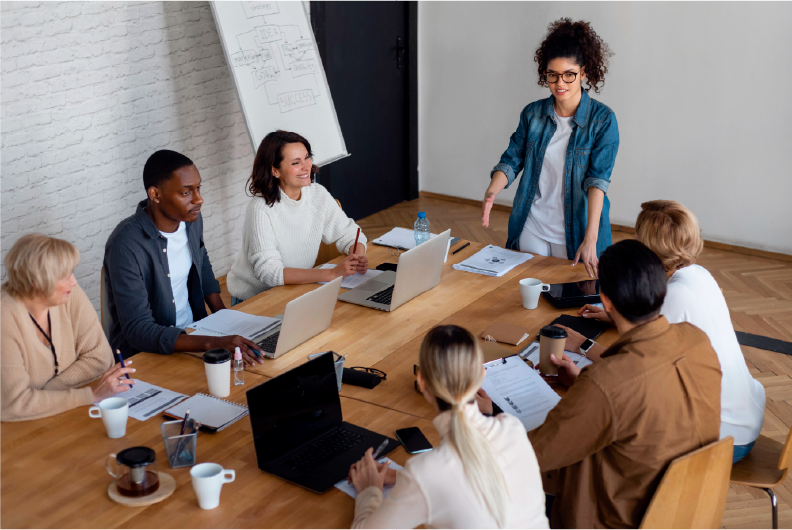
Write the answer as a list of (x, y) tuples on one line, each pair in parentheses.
[(112, 382)]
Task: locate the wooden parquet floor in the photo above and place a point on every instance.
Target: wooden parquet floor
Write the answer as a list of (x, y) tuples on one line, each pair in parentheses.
[(758, 292)]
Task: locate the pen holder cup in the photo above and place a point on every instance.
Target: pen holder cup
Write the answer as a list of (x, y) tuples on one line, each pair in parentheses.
[(181, 448)]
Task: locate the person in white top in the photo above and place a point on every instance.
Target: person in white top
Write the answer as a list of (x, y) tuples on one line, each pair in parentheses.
[(484, 473), (672, 232), (287, 219)]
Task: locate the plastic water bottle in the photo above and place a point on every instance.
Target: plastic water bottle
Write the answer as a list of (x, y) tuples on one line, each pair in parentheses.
[(421, 228)]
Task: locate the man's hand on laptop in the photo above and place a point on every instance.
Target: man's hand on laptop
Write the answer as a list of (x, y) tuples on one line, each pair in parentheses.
[(247, 347)]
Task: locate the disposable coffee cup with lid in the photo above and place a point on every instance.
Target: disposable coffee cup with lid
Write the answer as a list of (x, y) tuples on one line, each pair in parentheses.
[(551, 342), (217, 363)]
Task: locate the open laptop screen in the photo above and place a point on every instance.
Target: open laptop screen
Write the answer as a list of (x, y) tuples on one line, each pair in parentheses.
[(294, 408)]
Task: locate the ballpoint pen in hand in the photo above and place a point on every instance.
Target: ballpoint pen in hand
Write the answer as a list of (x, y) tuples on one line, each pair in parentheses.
[(380, 449), (121, 360)]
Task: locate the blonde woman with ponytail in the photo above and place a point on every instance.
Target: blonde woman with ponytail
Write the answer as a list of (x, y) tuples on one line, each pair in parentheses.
[(484, 474)]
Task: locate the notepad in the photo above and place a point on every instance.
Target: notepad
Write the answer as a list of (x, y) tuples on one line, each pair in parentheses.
[(350, 282), (212, 413)]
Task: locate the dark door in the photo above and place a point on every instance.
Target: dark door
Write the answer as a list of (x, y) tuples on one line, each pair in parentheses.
[(365, 50)]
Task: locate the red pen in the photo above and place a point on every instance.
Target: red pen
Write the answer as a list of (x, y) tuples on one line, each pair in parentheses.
[(354, 249)]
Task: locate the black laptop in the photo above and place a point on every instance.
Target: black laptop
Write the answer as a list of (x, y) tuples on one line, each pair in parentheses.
[(299, 432)]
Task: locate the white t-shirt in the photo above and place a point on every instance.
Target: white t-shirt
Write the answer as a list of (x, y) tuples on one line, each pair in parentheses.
[(179, 263), (546, 216), (694, 296)]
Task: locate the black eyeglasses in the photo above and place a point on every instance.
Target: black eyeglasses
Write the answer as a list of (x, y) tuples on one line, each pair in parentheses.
[(568, 77), (374, 371)]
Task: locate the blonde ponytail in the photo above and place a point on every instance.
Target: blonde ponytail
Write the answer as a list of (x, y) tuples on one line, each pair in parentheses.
[(451, 365)]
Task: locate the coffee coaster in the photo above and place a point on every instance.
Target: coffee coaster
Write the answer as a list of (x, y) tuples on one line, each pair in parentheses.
[(166, 488)]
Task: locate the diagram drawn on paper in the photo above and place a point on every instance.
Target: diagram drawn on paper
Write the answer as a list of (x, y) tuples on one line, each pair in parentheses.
[(276, 59)]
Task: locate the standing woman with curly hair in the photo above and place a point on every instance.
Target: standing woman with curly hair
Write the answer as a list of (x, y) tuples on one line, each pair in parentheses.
[(287, 219), (566, 147)]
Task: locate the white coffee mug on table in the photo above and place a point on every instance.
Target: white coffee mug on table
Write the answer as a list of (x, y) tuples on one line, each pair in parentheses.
[(530, 289), (114, 412), (207, 481)]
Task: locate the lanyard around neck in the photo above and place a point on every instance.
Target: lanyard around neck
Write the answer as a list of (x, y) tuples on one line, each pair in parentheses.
[(49, 338)]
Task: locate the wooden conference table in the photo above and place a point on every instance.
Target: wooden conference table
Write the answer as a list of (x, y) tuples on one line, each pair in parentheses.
[(53, 473)]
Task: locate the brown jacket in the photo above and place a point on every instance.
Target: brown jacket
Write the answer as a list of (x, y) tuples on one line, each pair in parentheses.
[(654, 396)]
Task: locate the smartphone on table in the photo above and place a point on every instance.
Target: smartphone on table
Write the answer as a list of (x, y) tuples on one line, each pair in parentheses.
[(413, 440)]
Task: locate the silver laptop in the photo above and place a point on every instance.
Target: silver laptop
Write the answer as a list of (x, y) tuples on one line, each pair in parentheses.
[(304, 317), (419, 270)]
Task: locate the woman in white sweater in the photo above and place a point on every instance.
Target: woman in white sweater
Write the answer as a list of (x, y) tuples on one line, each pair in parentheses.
[(287, 219), (672, 232), (484, 474)]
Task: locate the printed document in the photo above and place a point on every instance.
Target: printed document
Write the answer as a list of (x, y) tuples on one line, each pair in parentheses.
[(232, 322), (349, 489), (147, 401), (350, 282), (399, 238), (519, 390), (493, 261), (531, 353)]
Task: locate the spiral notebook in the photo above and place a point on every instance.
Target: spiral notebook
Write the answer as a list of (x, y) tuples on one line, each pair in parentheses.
[(214, 414)]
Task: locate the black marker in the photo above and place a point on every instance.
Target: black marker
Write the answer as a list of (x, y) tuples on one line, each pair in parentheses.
[(460, 248)]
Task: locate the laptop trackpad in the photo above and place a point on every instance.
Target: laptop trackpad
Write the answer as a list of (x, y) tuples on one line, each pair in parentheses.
[(373, 285)]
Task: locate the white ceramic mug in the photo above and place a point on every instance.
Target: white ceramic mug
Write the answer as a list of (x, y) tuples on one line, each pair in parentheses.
[(530, 289), (207, 481), (114, 412)]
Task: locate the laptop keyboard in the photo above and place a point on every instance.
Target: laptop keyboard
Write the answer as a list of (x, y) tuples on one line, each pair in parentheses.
[(269, 344), (322, 450), (382, 297)]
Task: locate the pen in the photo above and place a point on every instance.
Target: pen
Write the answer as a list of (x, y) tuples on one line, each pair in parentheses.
[(354, 249), (380, 449), (460, 248), (121, 360)]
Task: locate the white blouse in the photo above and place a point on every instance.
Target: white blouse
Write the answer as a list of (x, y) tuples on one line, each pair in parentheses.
[(433, 489)]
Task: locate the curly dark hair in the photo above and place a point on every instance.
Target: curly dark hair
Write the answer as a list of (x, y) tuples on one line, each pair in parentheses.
[(262, 183), (578, 41)]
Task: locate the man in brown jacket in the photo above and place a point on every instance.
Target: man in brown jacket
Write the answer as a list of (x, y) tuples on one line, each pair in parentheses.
[(654, 396)]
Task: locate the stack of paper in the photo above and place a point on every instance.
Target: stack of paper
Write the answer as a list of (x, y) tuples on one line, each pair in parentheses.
[(231, 322), (399, 238), (493, 261), (146, 401)]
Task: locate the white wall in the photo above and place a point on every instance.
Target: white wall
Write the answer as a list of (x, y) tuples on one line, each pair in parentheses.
[(701, 92), (89, 91)]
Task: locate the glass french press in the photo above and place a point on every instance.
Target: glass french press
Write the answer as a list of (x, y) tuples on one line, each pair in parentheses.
[(136, 473)]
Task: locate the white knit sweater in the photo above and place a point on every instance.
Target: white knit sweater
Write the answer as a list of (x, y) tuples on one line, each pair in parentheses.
[(287, 234)]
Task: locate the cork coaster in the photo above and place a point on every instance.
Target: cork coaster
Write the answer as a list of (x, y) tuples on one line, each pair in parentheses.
[(166, 488)]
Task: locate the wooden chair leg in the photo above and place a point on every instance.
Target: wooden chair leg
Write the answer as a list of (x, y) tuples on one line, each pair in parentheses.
[(774, 502)]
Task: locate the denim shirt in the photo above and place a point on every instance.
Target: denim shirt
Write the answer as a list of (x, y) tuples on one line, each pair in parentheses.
[(591, 155), (137, 283)]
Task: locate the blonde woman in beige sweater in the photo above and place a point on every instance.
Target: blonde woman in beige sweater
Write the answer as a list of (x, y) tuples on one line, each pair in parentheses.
[(52, 342), (484, 474)]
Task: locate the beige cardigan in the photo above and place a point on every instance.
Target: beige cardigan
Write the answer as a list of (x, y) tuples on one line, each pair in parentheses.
[(433, 489), (30, 389)]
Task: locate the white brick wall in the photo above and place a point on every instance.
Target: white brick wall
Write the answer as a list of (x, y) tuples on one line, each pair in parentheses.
[(89, 91)]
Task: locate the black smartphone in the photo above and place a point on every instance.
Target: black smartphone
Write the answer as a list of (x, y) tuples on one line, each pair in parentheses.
[(413, 440)]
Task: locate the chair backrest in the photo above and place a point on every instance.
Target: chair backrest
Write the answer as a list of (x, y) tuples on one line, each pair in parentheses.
[(786, 454), (327, 252), (692, 493), (105, 313)]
